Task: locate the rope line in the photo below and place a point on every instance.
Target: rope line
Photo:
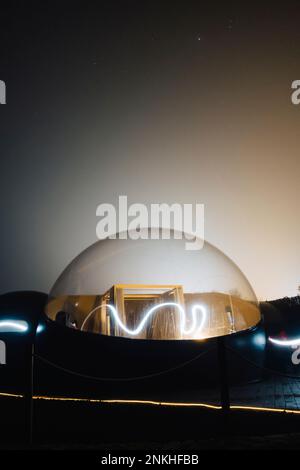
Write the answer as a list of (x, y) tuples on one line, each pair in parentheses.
[(266, 369), (122, 379)]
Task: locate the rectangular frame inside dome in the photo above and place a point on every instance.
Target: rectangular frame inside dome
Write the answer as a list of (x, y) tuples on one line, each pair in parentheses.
[(127, 298)]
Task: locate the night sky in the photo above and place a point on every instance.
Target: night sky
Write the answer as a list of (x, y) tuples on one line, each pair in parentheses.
[(163, 102)]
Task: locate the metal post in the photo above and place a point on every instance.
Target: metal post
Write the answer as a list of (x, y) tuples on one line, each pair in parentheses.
[(28, 396), (223, 373)]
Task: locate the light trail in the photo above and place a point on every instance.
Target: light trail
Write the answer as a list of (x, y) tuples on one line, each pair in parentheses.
[(183, 320), (12, 326), (285, 342), (156, 403)]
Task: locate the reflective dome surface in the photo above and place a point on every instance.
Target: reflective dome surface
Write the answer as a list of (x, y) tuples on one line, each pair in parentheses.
[(153, 289)]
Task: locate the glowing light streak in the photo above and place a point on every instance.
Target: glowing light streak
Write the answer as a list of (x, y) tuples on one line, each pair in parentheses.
[(11, 326), (183, 321), (285, 342), (10, 395), (156, 403)]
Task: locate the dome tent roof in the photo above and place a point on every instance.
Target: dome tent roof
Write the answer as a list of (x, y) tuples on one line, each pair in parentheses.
[(136, 275)]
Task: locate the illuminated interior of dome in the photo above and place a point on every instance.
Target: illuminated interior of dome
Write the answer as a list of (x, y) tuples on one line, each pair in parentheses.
[(153, 290)]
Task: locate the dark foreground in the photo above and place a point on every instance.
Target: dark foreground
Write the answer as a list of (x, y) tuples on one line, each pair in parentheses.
[(94, 426)]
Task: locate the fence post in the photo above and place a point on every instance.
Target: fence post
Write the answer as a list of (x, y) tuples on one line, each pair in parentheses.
[(223, 374), (28, 395)]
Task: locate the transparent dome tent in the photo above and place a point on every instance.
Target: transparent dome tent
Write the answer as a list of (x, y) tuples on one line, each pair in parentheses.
[(153, 289)]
